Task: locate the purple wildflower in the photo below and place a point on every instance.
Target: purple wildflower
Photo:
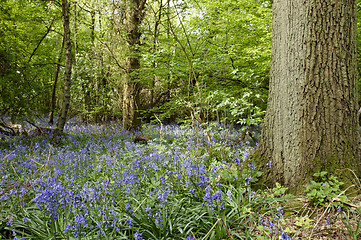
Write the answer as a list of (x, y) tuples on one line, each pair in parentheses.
[(129, 222), (137, 235), (279, 213), (237, 161), (229, 194), (269, 164), (327, 221), (251, 166), (252, 194), (285, 236), (127, 206), (245, 155), (247, 179), (10, 222)]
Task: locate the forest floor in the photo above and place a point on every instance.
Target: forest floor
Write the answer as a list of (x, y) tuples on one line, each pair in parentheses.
[(191, 181), (325, 222)]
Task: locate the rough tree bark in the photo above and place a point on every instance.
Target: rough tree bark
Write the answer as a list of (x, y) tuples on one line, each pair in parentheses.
[(311, 122), (131, 84), (67, 75)]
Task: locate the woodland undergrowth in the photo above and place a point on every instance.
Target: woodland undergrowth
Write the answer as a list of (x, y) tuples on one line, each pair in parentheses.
[(193, 181)]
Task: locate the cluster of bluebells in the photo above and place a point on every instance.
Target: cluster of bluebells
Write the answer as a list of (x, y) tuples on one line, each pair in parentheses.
[(269, 225), (272, 229), (83, 181), (214, 200), (279, 213)]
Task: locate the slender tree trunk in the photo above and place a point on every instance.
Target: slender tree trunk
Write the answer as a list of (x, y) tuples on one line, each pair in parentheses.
[(92, 27), (55, 82), (158, 17), (67, 75), (75, 33), (311, 122), (132, 85)]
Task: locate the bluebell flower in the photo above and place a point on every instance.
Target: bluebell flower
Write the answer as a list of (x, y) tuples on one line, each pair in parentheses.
[(251, 166), (327, 221), (237, 161), (137, 235), (10, 222), (190, 237), (214, 170), (127, 206), (285, 236), (129, 222), (245, 155), (13, 191), (207, 197), (269, 164), (217, 195), (68, 227), (247, 179), (80, 221), (339, 208), (4, 197), (163, 180), (229, 194), (268, 224), (252, 194), (158, 218), (279, 213)]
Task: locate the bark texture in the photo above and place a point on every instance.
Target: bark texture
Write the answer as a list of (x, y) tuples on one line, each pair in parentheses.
[(55, 82), (132, 85), (67, 75), (311, 122)]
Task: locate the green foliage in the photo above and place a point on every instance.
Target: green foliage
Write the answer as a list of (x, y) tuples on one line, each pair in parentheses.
[(96, 179), (325, 189), (25, 62), (211, 63), (204, 58), (352, 222), (304, 222), (277, 191), (218, 67)]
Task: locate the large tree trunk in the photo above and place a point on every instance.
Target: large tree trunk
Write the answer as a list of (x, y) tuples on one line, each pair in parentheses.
[(311, 122), (67, 75), (132, 86)]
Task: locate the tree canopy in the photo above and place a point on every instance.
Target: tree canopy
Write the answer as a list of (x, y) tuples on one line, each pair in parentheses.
[(200, 58)]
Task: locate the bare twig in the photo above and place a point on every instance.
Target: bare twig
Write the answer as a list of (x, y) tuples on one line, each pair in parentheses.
[(353, 172), (328, 206), (214, 225), (139, 205), (161, 125)]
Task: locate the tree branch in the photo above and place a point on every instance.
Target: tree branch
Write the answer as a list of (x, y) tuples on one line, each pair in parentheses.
[(41, 40)]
